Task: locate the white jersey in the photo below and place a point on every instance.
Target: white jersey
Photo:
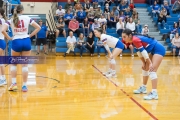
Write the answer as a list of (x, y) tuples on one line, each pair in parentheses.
[(21, 31), (2, 21), (110, 40)]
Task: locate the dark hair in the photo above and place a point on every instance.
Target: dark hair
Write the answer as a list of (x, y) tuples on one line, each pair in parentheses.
[(99, 30), (19, 8), (2, 12)]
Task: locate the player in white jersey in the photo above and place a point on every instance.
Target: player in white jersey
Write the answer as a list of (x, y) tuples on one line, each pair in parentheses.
[(21, 43), (2, 48), (110, 41)]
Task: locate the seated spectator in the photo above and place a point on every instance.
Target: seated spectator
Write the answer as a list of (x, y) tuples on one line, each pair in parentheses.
[(90, 43), (60, 26), (119, 27), (108, 2), (68, 17), (145, 30), (131, 6), (98, 12), (174, 30), (87, 6), (116, 13), (81, 15), (41, 38), (176, 7), (111, 20), (95, 4), (75, 2), (74, 26), (78, 6), (128, 46), (164, 12), (123, 6), (68, 4), (59, 12), (100, 45), (106, 11), (96, 24), (131, 25), (72, 11), (161, 21), (155, 9), (71, 42), (176, 44), (86, 26), (81, 43), (127, 12), (103, 22), (134, 12), (122, 16), (166, 6), (91, 15), (137, 23)]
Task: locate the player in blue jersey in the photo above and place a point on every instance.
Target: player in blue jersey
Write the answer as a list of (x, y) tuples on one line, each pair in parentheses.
[(21, 43), (151, 61)]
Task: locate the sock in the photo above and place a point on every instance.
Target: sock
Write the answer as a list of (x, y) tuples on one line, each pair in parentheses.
[(143, 85), (13, 80), (24, 83), (0, 77), (154, 90), (4, 77)]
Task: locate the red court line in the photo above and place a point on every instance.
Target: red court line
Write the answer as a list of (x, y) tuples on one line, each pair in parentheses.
[(138, 104)]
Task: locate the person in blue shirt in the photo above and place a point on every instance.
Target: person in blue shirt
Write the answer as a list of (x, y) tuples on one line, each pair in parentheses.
[(68, 17), (155, 10), (81, 15), (41, 38)]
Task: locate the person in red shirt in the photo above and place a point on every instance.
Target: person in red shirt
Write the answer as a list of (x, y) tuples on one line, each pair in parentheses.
[(131, 6), (128, 46), (74, 26)]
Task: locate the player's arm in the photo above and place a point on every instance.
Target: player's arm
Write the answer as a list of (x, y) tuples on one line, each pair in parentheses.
[(4, 29), (37, 28), (107, 48)]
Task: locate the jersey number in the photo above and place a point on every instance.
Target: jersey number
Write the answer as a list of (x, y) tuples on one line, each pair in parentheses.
[(21, 24)]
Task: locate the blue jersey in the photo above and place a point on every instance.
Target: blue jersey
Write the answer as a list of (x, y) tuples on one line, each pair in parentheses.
[(42, 32)]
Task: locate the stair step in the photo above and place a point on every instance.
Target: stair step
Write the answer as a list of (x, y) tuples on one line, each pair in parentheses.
[(157, 37), (154, 33)]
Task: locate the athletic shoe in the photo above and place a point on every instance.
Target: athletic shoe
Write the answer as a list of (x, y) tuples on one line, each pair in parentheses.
[(2, 82), (142, 89), (46, 53), (13, 87), (108, 72), (24, 88), (151, 95), (111, 75), (120, 55), (132, 55), (5, 81)]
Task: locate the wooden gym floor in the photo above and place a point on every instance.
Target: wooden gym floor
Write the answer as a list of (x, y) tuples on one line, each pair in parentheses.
[(73, 88)]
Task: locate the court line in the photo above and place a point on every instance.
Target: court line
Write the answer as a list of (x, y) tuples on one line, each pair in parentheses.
[(138, 104)]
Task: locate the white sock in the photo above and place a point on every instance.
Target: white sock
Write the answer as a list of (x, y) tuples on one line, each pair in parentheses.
[(0, 77), (24, 83), (4, 77), (143, 85), (13, 80), (154, 90)]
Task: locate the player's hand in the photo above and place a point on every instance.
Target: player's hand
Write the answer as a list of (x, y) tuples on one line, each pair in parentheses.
[(144, 66)]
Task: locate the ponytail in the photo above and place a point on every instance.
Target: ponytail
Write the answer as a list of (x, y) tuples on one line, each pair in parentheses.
[(15, 19), (4, 16)]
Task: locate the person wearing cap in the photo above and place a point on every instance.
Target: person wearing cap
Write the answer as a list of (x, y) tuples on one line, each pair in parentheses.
[(74, 26), (106, 10), (98, 12), (145, 30), (119, 27), (41, 38), (103, 23), (59, 12)]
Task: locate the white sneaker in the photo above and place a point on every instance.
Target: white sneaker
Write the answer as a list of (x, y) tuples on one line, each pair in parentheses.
[(2, 82), (120, 55), (112, 74), (108, 72), (132, 55), (141, 89), (151, 95)]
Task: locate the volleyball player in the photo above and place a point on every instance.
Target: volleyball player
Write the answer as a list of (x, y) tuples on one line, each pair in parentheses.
[(110, 41), (21, 43), (151, 62)]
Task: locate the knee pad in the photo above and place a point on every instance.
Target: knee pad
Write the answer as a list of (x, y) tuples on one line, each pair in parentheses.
[(25, 69), (112, 61), (13, 68), (152, 75), (145, 73)]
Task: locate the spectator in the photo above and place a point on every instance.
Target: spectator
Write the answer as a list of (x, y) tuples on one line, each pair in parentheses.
[(161, 21), (108, 2), (59, 12), (87, 6), (103, 22), (122, 16), (81, 43), (137, 23), (117, 2), (86, 27), (96, 24), (99, 46), (145, 30), (176, 44), (78, 6), (75, 2), (68, 17), (98, 12), (119, 27), (176, 7), (81, 15), (131, 6), (155, 9), (174, 30), (128, 46), (127, 12), (68, 4), (106, 11), (90, 43), (71, 42), (131, 25), (41, 38), (74, 26), (166, 6), (91, 15), (123, 6), (72, 11), (116, 13), (164, 11), (134, 12), (60, 26), (95, 4), (111, 20)]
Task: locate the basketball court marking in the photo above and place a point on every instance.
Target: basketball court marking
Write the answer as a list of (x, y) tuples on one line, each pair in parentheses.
[(138, 104)]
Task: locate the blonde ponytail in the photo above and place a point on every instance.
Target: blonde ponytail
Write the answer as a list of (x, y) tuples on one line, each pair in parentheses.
[(4, 16), (15, 19)]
